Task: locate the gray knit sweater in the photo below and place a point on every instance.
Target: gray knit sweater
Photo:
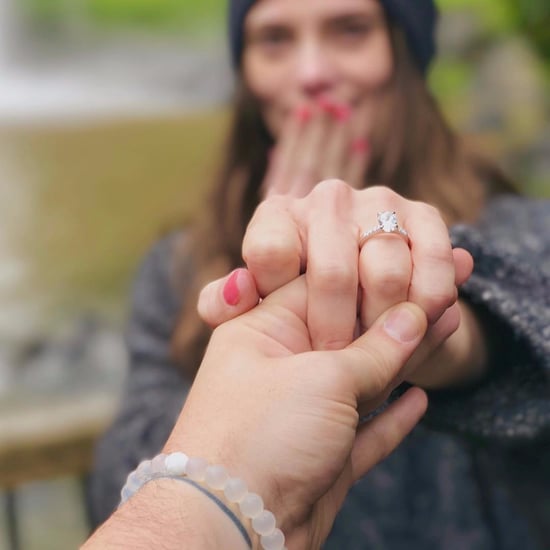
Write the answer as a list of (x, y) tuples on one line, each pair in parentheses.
[(475, 475)]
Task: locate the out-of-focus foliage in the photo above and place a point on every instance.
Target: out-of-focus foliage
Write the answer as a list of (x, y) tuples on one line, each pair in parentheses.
[(155, 12), (500, 17), (492, 75), (531, 17), (151, 14), (534, 19)]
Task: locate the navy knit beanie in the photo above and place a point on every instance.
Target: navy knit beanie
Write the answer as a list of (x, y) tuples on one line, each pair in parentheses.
[(417, 18)]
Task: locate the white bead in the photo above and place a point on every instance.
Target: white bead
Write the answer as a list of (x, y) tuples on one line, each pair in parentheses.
[(265, 523), (275, 541), (143, 471), (235, 489), (216, 477), (251, 505), (126, 493), (158, 464), (176, 463), (196, 468), (133, 482)]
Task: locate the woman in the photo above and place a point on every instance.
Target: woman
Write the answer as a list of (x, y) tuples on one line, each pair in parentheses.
[(352, 72)]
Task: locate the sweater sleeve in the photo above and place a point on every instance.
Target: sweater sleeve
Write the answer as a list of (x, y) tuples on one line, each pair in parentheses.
[(154, 391), (510, 289)]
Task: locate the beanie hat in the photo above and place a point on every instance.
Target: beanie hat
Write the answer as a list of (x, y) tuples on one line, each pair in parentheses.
[(417, 18)]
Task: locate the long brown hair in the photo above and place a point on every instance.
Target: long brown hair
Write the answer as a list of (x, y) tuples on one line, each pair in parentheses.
[(414, 151)]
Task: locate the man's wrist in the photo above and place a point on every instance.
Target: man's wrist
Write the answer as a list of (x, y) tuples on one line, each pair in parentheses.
[(168, 513)]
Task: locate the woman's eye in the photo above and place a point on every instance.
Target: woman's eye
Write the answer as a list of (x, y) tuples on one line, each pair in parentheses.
[(353, 30), (273, 38)]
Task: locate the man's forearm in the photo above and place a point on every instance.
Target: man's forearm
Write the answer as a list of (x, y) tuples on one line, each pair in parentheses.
[(167, 514)]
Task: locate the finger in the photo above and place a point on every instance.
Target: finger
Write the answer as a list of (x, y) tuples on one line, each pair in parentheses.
[(333, 161), (385, 270), (375, 359), (278, 177), (433, 339), (272, 246), (358, 153), (357, 162), (331, 272), (433, 278), (464, 265), (305, 167), (227, 298), (436, 335), (378, 438), (459, 359), (292, 297)]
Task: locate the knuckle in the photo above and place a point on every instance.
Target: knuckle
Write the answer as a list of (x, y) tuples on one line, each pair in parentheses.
[(382, 194), (332, 277), (331, 189), (335, 342), (441, 253), (263, 254), (273, 204), (428, 210), (436, 303), (389, 282)]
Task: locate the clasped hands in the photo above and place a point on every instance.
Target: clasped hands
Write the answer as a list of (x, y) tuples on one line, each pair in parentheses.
[(349, 288), (285, 379)]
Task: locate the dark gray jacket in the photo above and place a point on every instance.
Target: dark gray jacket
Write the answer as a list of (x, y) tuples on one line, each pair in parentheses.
[(475, 475)]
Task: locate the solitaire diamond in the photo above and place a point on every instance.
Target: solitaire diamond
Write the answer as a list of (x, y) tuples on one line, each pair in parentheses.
[(387, 221)]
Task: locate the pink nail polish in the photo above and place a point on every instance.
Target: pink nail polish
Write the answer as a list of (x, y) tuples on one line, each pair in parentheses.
[(326, 104), (361, 146), (303, 114), (342, 112), (231, 293)]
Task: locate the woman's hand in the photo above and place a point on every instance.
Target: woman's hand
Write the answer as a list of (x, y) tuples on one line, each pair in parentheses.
[(319, 235), (321, 139), (285, 418)]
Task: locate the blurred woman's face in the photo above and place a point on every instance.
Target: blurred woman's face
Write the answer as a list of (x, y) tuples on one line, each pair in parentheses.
[(298, 50)]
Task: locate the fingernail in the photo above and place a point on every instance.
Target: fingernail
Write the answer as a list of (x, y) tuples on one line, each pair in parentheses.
[(303, 113), (402, 325), (342, 112), (326, 104), (231, 293), (360, 146)]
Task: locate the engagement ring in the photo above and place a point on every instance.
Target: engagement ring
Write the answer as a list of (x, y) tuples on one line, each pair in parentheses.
[(387, 223)]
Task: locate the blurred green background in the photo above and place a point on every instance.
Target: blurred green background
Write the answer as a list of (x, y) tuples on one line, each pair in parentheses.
[(115, 183), (498, 16), (133, 178)]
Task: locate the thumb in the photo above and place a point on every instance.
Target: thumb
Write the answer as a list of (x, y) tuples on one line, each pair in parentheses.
[(227, 298), (281, 317), (377, 357)]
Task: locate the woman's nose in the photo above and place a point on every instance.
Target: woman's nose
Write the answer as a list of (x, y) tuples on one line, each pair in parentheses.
[(314, 71)]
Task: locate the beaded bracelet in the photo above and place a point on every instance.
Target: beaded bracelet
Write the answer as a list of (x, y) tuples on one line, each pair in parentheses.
[(199, 473)]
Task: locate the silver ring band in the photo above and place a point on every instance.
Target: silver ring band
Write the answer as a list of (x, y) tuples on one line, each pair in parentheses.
[(387, 224)]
